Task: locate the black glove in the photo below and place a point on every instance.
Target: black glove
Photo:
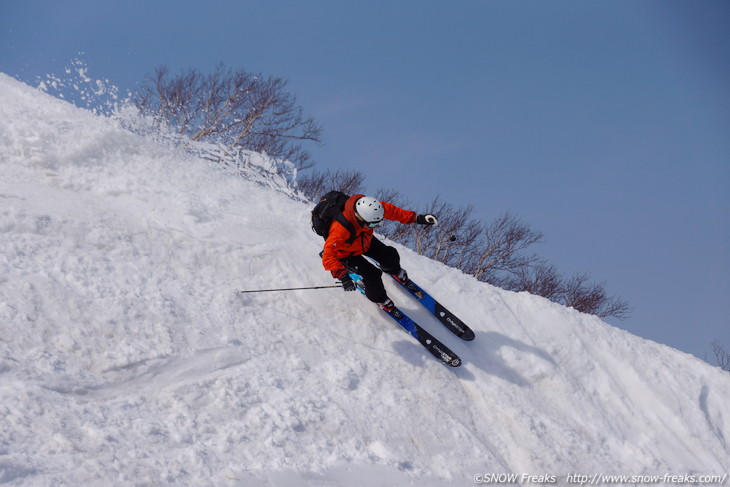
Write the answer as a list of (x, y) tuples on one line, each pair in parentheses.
[(428, 219), (347, 283)]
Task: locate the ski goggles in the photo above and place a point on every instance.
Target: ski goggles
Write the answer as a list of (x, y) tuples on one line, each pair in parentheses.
[(368, 224)]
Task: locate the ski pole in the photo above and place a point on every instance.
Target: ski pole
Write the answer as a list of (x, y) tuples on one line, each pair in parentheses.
[(288, 289)]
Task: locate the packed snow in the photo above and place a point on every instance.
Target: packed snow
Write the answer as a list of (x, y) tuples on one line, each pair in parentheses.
[(128, 358)]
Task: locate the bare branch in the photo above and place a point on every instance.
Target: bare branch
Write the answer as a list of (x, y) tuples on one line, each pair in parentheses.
[(722, 356), (317, 183), (240, 109)]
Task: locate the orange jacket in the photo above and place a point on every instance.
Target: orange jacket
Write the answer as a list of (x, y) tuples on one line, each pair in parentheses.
[(336, 247)]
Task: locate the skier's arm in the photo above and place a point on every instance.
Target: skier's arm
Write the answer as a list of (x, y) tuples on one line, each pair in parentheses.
[(330, 255), (393, 212)]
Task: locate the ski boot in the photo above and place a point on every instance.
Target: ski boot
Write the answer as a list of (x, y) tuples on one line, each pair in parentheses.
[(401, 276), (389, 307)]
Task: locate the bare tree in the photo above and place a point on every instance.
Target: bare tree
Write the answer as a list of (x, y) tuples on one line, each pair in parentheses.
[(722, 356), (591, 298), (498, 254), (316, 183), (455, 236), (241, 109), (502, 249), (541, 279)]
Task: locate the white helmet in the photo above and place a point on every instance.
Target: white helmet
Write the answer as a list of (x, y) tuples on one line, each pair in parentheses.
[(370, 211)]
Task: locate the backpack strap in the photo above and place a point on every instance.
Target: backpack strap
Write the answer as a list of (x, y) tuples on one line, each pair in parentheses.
[(348, 226)]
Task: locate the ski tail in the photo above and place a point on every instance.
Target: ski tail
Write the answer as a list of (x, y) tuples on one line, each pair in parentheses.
[(437, 349)]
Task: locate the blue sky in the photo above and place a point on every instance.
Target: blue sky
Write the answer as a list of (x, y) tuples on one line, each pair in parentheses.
[(605, 125)]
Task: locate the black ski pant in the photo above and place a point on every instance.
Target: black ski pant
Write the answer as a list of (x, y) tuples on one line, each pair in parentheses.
[(372, 277)]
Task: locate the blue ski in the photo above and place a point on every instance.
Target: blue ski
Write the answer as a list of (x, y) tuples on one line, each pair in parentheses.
[(437, 349), (446, 317)]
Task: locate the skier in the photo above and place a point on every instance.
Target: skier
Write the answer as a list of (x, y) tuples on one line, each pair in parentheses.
[(344, 254)]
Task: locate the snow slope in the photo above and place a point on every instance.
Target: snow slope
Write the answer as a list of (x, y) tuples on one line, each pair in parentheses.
[(126, 357)]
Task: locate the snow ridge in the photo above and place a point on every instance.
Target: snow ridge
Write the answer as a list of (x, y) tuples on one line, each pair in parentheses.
[(126, 357)]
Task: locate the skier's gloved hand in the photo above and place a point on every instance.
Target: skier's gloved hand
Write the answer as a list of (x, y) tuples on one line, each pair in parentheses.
[(428, 219), (347, 283)]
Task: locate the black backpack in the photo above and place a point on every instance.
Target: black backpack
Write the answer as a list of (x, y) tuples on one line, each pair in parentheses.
[(330, 207)]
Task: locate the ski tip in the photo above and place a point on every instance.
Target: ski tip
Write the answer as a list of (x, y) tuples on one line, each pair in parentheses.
[(468, 335)]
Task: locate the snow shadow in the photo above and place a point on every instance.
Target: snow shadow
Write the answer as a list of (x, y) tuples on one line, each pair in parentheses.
[(413, 353), (486, 354)]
